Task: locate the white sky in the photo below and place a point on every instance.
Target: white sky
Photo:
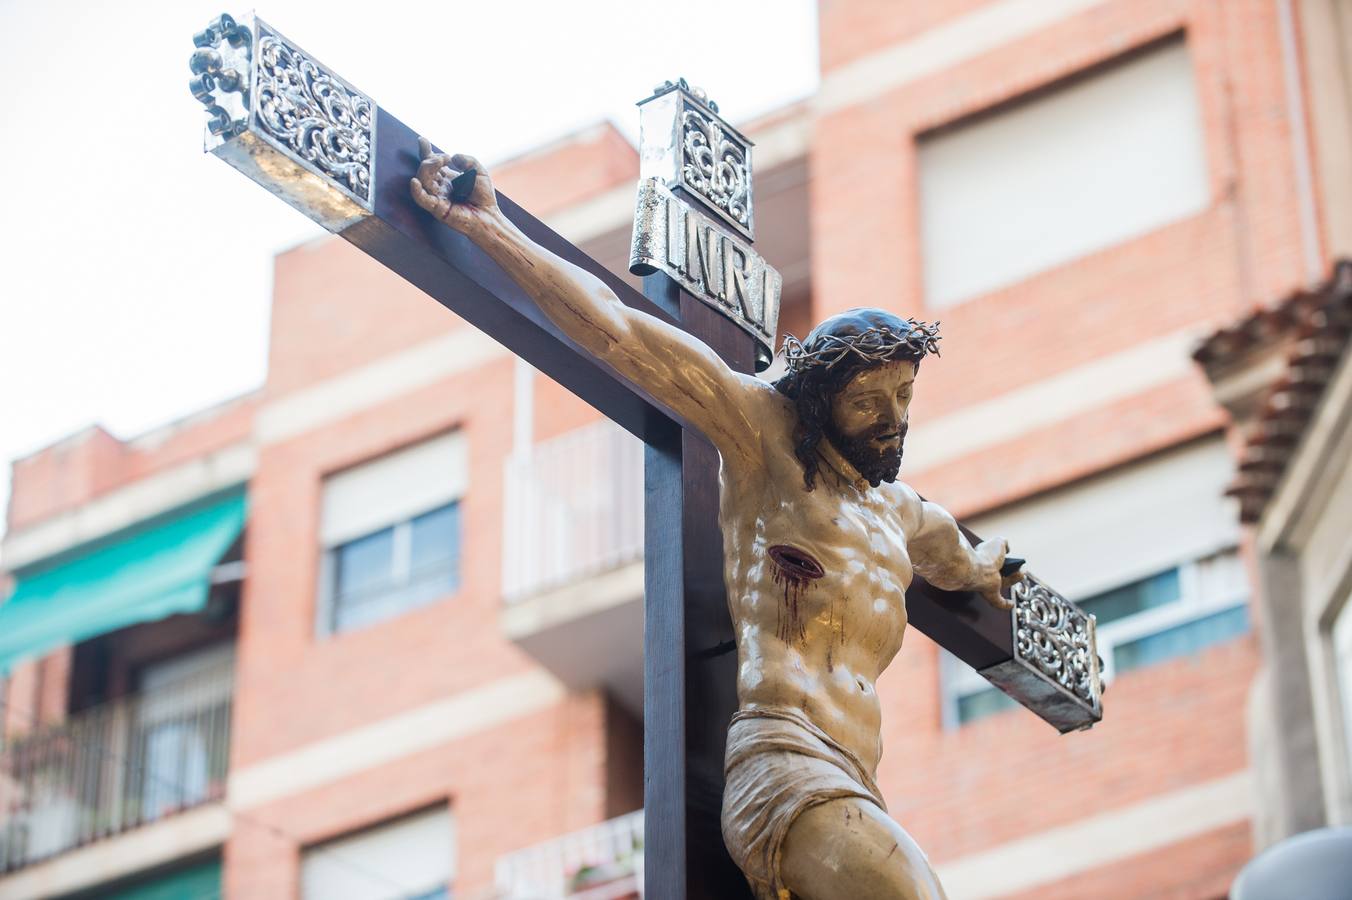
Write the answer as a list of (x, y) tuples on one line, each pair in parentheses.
[(135, 272)]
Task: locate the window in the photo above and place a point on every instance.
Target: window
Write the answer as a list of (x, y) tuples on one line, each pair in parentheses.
[(1078, 168), (392, 534), (411, 857), (397, 568), (181, 719), (1147, 548)]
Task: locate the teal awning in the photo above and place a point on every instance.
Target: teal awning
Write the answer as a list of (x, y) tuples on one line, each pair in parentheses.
[(147, 574), (200, 882)]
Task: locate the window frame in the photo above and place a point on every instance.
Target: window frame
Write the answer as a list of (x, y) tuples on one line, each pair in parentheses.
[(1196, 169), (401, 567), (352, 849), (1195, 602)]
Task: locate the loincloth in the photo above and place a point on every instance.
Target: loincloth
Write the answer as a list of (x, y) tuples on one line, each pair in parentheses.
[(778, 764)]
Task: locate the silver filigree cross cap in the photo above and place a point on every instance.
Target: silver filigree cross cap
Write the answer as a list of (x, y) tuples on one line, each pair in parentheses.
[(1055, 669), (284, 120), (693, 217), (687, 145)]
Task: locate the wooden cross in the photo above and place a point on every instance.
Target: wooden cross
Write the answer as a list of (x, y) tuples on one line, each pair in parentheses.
[(267, 102)]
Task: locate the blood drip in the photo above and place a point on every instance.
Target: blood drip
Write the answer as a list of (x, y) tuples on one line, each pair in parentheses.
[(794, 569)]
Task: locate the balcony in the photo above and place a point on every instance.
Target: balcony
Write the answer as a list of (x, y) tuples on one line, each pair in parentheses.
[(117, 767), (573, 559), (604, 862)]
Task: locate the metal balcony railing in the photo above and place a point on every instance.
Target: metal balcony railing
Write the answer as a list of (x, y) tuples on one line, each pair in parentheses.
[(604, 862), (115, 767), (574, 509)]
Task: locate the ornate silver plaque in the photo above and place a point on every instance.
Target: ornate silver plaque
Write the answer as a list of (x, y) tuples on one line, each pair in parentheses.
[(685, 144), (693, 218), (673, 237), (1055, 669), (286, 121)]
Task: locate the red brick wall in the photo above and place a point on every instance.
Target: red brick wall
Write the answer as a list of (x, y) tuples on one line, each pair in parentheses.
[(85, 466), (63, 476), (35, 693), (1166, 727), (508, 787), (624, 761), (1073, 448), (334, 309), (338, 682), (1243, 248), (851, 29), (577, 169), (1202, 868), (515, 784)]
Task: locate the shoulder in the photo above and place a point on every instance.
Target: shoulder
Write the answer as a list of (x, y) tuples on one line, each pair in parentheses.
[(768, 423), (908, 504), (763, 394)]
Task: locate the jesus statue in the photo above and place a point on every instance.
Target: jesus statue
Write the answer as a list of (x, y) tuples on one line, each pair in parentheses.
[(820, 542)]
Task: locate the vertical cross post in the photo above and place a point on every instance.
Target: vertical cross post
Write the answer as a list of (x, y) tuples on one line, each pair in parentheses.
[(692, 245)]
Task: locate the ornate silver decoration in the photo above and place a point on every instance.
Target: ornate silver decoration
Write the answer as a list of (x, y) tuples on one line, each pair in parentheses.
[(686, 145), (220, 65), (714, 166), (1055, 669), (1056, 636), (672, 236), (286, 121), (313, 115)]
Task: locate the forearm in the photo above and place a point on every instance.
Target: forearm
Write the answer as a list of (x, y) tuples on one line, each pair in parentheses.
[(575, 300)]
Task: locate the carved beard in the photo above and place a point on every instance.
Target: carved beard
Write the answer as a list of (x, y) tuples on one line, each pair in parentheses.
[(861, 452)]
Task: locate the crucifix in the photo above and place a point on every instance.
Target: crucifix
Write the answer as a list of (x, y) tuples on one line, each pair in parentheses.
[(782, 558)]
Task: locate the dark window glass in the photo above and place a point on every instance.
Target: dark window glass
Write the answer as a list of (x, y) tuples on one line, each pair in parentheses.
[(390, 571), (364, 566), (983, 703), (1181, 640), (1148, 593), (435, 543)]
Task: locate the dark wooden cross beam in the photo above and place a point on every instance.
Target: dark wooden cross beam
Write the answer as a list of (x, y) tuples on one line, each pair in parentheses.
[(262, 93)]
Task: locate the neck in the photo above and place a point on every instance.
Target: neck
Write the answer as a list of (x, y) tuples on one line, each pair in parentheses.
[(839, 466)]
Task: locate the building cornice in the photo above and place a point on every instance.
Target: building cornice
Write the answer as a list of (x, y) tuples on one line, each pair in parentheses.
[(124, 507)]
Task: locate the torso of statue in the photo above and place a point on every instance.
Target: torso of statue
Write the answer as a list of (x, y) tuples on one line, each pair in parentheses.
[(816, 584)]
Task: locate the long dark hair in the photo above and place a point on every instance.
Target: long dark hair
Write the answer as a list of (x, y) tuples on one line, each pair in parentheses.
[(834, 352)]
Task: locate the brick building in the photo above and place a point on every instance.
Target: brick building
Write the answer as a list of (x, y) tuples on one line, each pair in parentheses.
[(375, 629)]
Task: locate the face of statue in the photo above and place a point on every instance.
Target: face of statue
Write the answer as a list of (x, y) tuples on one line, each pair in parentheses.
[(869, 419)]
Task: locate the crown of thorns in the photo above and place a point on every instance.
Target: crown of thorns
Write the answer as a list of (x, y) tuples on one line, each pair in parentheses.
[(878, 343)]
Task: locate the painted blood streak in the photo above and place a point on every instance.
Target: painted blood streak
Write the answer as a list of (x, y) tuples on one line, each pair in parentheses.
[(794, 569)]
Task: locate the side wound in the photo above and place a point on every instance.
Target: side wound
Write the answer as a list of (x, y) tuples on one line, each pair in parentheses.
[(796, 564), (794, 568)]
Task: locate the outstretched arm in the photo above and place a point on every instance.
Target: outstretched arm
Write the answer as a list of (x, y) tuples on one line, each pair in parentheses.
[(674, 367), (943, 555)]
